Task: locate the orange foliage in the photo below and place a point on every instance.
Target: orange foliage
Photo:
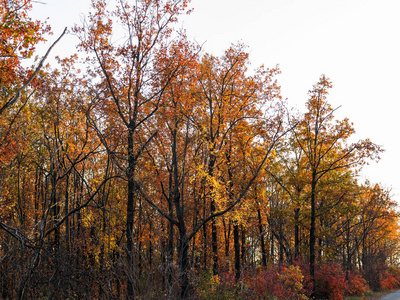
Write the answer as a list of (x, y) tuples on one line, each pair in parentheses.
[(160, 162)]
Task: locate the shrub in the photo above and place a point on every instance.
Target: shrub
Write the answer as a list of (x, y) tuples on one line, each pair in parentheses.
[(356, 284), (219, 287), (307, 280), (264, 284), (330, 282), (291, 279), (273, 283), (389, 280)]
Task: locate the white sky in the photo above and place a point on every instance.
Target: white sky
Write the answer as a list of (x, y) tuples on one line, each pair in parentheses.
[(356, 43)]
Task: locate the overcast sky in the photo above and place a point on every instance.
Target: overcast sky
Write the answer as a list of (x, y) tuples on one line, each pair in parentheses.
[(356, 43)]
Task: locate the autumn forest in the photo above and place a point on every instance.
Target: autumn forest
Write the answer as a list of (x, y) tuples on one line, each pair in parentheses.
[(141, 167)]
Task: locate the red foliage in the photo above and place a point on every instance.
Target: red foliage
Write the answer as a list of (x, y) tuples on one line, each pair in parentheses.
[(307, 280), (390, 279), (330, 282), (263, 284), (356, 284), (227, 280), (283, 283)]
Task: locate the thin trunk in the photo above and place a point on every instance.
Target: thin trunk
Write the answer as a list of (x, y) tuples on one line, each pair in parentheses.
[(183, 257), (227, 235), (54, 204), (243, 254), (138, 239), (272, 247), (205, 227), (19, 197), (281, 253), (214, 237), (151, 244), (262, 242), (296, 233), (66, 210), (347, 266), (205, 241), (236, 225), (170, 253), (129, 215), (170, 241), (237, 250), (38, 181), (214, 240), (312, 227)]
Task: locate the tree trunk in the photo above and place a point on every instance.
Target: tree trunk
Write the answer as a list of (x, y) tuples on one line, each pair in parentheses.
[(262, 241), (312, 229), (205, 241), (214, 237), (184, 263), (129, 215), (214, 240), (243, 256), (272, 251), (170, 250), (296, 233), (237, 250), (66, 210), (227, 235)]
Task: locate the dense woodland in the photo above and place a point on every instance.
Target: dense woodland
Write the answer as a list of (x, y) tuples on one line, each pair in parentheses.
[(141, 167)]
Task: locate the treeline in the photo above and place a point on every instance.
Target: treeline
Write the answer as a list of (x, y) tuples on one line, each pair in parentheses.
[(163, 172)]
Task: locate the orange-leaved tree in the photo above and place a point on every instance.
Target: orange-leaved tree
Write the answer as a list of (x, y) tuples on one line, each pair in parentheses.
[(19, 35), (324, 142), (127, 90)]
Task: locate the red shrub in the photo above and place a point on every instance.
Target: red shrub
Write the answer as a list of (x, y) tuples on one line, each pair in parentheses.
[(285, 283), (388, 281), (307, 280), (330, 282), (356, 285), (227, 280), (263, 284)]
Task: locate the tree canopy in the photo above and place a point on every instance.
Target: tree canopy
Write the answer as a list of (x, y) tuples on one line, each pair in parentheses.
[(161, 171)]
